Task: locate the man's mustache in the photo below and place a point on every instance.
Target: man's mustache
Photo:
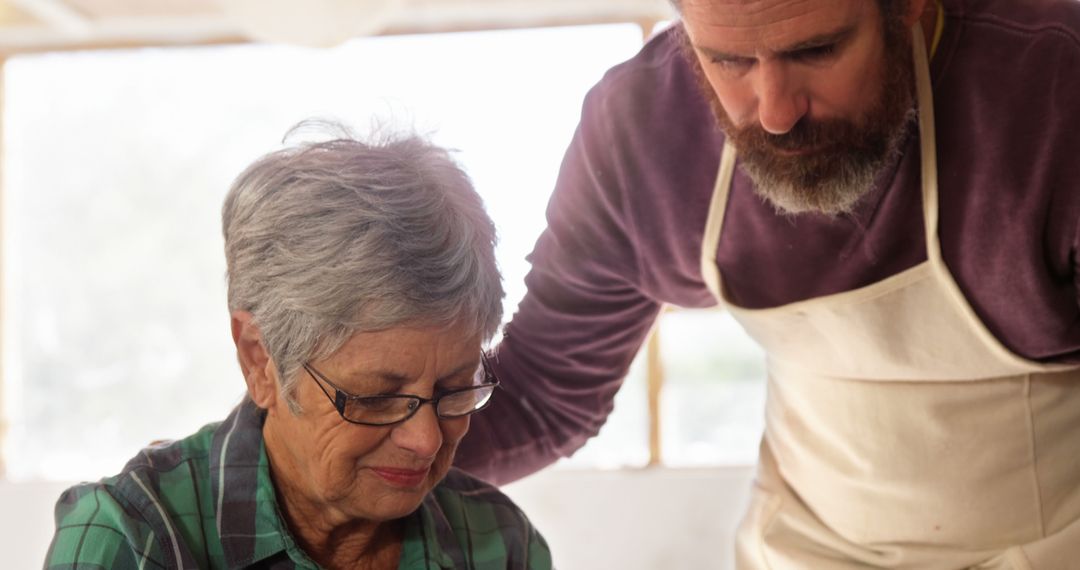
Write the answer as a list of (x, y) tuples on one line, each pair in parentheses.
[(805, 135)]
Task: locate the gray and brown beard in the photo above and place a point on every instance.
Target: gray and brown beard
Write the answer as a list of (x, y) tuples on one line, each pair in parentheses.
[(848, 154)]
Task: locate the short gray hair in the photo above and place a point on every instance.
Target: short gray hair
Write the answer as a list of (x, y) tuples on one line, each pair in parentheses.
[(327, 239)]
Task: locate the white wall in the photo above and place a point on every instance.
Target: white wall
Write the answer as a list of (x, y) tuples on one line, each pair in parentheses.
[(650, 519), (26, 522)]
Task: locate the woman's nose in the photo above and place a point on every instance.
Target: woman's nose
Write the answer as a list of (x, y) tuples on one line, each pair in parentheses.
[(781, 101), (421, 434)]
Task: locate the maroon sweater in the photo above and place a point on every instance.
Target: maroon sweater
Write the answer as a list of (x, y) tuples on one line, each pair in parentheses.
[(626, 219)]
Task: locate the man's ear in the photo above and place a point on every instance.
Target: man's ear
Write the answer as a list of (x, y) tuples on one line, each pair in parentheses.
[(259, 370)]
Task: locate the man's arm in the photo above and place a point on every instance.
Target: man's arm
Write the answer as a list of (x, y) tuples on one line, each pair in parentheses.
[(571, 342)]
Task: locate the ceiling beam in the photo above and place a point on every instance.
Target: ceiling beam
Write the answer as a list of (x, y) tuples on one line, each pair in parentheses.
[(56, 14), (71, 30)]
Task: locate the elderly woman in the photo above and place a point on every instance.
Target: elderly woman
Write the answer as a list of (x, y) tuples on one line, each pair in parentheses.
[(362, 284)]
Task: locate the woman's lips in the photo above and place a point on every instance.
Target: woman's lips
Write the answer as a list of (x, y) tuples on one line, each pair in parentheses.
[(407, 478)]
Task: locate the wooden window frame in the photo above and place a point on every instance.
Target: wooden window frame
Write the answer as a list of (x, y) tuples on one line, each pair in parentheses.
[(3, 170)]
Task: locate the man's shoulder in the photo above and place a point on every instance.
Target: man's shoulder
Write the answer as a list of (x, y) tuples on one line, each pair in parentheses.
[(1009, 56), (649, 117), (1045, 19), (658, 77), (659, 55)]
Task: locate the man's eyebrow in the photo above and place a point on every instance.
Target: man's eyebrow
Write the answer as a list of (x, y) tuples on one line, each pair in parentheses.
[(836, 37), (819, 40), (716, 54)]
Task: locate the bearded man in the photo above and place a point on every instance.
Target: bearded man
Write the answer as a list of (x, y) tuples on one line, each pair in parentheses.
[(886, 195)]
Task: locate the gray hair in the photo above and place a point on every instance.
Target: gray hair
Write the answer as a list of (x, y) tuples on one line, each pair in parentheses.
[(327, 239)]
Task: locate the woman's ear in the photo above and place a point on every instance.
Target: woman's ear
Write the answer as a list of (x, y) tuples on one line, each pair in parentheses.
[(258, 368)]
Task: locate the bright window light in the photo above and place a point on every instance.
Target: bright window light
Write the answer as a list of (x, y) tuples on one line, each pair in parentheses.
[(115, 326)]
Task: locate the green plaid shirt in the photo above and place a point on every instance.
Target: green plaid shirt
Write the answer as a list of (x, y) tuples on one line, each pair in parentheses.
[(207, 501)]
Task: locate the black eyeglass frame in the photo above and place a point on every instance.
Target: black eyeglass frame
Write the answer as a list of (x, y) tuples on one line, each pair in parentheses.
[(341, 397)]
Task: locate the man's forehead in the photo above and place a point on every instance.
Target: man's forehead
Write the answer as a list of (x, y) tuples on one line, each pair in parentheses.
[(742, 25), (762, 6)]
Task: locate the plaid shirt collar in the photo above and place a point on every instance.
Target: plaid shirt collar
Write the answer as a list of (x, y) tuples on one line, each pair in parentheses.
[(245, 506), (249, 522)]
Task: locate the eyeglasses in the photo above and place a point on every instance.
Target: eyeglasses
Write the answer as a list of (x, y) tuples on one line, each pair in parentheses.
[(396, 408)]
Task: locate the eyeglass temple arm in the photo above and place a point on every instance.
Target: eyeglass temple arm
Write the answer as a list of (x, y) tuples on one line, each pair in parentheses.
[(339, 400)]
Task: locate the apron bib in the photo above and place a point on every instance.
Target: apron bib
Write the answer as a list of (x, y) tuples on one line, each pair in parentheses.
[(900, 433)]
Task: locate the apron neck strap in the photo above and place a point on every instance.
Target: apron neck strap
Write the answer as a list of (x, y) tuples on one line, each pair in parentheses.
[(928, 143)]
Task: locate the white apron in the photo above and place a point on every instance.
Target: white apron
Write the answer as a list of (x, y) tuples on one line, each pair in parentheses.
[(899, 432)]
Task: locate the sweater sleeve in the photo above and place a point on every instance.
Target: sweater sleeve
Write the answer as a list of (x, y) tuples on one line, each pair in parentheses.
[(576, 332)]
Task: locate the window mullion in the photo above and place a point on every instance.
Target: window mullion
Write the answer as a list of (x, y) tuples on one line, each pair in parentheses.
[(655, 383), (654, 364), (3, 315)]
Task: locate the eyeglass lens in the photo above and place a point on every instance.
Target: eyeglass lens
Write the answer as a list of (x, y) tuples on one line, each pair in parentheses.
[(391, 409)]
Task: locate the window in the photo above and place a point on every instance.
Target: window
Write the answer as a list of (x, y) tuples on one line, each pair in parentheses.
[(115, 324), (713, 404)]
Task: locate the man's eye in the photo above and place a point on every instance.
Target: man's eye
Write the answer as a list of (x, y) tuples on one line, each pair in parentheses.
[(816, 53), (733, 62)]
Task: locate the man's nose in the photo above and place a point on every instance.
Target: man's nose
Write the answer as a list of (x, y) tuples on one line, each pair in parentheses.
[(781, 100), (421, 434)]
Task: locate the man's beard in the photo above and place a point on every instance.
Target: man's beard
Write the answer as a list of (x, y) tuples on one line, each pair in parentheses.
[(844, 157)]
